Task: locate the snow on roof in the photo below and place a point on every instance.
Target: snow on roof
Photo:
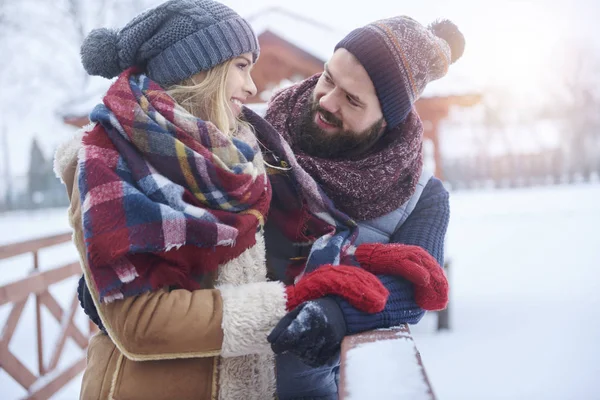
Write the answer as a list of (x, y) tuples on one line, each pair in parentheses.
[(319, 40), (311, 36)]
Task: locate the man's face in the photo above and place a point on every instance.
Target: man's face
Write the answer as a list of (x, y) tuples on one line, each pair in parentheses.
[(345, 114)]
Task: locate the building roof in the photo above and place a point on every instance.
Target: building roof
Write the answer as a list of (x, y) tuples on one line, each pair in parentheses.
[(315, 38), (319, 40)]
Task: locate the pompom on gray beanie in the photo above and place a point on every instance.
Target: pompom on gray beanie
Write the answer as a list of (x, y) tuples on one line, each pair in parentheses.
[(170, 42)]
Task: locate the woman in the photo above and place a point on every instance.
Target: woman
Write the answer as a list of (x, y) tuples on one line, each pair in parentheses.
[(168, 196)]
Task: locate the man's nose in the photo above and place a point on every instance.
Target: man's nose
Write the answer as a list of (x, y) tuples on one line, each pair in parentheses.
[(329, 102)]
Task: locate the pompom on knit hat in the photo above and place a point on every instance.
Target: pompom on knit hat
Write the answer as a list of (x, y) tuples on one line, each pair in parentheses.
[(401, 57), (170, 42)]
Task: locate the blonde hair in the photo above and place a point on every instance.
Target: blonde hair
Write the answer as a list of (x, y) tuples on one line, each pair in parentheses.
[(207, 99)]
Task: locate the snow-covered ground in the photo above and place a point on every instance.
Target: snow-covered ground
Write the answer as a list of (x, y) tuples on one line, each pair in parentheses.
[(525, 297), (524, 303)]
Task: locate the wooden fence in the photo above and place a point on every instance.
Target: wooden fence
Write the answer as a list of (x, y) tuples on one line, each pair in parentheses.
[(388, 367), (48, 378)]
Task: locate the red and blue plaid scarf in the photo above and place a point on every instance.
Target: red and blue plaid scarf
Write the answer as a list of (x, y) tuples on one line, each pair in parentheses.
[(166, 197)]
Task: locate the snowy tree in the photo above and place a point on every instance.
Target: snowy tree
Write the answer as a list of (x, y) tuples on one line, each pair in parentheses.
[(45, 37), (40, 172), (40, 67), (575, 102)]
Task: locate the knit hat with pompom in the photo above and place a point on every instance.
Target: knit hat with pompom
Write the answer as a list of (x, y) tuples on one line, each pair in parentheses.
[(170, 42), (401, 57)]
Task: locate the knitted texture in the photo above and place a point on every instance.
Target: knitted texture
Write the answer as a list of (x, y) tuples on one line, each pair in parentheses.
[(162, 189), (313, 332), (400, 308), (334, 233), (401, 57), (427, 225), (412, 263), (171, 42), (87, 303), (367, 187), (360, 288)]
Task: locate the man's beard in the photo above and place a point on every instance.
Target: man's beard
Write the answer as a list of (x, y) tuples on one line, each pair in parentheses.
[(316, 142)]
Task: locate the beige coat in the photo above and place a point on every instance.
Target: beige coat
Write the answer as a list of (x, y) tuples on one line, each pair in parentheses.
[(206, 344)]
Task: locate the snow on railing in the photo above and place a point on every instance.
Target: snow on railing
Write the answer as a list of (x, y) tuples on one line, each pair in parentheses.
[(383, 364)]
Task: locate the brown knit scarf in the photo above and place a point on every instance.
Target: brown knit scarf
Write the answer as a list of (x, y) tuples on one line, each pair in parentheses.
[(366, 186)]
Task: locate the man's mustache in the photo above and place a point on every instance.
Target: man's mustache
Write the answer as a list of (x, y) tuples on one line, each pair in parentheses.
[(329, 117)]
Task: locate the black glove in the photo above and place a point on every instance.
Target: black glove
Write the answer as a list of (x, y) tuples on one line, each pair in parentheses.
[(313, 331), (85, 299)]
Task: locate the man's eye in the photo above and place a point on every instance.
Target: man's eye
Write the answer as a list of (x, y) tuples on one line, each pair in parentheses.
[(351, 101)]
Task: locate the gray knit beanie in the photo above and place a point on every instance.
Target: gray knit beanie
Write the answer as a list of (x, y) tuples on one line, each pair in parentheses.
[(170, 42)]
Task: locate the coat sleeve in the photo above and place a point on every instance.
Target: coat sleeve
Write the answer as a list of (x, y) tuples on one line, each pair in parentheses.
[(227, 321), (425, 227)]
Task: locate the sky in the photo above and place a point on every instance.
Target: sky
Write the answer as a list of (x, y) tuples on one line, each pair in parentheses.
[(509, 44)]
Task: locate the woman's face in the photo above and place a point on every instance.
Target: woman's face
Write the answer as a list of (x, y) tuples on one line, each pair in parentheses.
[(239, 85)]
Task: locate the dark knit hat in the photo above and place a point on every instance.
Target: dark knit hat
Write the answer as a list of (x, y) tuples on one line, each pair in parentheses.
[(171, 42), (401, 57)]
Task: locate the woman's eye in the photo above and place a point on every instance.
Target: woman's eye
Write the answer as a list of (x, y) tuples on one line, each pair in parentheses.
[(242, 66)]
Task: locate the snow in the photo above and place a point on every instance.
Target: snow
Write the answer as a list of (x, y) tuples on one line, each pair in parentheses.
[(525, 287), (466, 126), (303, 322), (319, 39), (387, 378), (524, 297), (313, 37), (84, 104), (24, 225)]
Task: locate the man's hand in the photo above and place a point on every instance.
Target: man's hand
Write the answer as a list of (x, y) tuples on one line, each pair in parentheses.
[(313, 331), (412, 263)]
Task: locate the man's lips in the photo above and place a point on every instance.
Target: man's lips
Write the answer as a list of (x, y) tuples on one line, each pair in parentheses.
[(322, 123)]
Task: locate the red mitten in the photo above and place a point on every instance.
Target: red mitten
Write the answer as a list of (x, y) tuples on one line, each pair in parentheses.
[(360, 288), (412, 263)]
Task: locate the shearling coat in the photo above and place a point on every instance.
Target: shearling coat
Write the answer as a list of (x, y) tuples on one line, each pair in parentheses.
[(205, 344)]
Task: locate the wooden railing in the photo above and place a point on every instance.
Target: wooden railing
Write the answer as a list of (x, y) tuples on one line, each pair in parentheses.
[(383, 364), (386, 364), (48, 378)]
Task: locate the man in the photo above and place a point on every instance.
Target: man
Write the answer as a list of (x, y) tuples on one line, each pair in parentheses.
[(354, 130)]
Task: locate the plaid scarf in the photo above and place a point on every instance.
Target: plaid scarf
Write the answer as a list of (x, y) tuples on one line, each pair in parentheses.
[(368, 185), (166, 197), (300, 208)]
